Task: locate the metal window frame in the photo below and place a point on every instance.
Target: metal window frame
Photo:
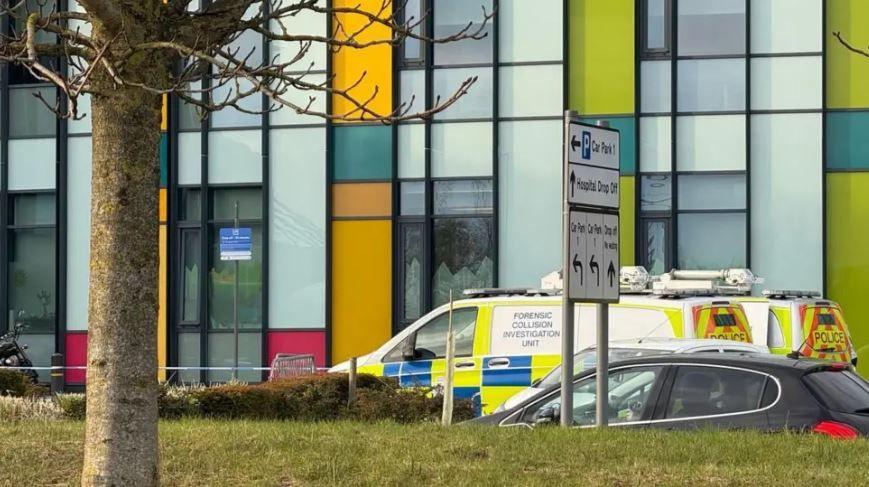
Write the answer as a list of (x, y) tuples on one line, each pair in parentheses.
[(643, 51)]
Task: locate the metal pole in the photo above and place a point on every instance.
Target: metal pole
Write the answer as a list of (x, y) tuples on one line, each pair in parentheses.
[(602, 364), (235, 306), (567, 326), (351, 386)]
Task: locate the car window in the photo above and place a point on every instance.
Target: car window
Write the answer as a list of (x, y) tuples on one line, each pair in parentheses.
[(841, 391), (774, 336), (709, 391), (629, 394), (430, 341), (587, 359)]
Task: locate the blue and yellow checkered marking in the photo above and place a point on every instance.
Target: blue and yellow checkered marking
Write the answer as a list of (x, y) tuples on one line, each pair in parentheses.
[(415, 374), (517, 373)]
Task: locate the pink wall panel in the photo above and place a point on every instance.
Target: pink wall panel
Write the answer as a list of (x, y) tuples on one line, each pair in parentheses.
[(313, 342), (76, 355)]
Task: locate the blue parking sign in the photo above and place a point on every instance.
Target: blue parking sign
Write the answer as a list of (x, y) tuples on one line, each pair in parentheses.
[(236, 243)]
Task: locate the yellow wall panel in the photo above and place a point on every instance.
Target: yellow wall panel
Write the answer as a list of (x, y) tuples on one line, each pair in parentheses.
[(164, 206), (161, 309), (847, 255), (627, 219), (601, 56), (847, 72), (361, 287), (362, 199), (349, 64)]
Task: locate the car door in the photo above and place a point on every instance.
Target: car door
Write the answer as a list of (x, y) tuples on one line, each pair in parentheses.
[(712, 396), (633, 393), (419, 360)]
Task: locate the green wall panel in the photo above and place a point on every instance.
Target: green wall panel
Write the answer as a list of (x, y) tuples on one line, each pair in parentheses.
[(847, 257), (628, 155), (362, 152), (847, 140)]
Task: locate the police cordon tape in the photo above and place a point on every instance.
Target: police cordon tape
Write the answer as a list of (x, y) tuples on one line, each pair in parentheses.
[(221, 369)]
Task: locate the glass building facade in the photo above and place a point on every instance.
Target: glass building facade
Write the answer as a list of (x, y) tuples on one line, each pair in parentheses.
[(743, 145)]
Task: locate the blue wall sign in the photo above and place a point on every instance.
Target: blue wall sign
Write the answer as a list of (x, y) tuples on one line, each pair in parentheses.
[(236, 244)]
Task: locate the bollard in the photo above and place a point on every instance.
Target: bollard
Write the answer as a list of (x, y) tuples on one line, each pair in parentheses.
[(351, 386), (56, 373)]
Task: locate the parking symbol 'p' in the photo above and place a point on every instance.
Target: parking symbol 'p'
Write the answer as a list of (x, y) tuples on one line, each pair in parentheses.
[(586, 145)]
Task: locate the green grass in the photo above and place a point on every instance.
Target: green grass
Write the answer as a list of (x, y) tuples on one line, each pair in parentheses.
[(270, 453)]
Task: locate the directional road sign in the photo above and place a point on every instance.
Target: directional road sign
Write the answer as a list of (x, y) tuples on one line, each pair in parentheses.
[(593, 160), (594, 257)]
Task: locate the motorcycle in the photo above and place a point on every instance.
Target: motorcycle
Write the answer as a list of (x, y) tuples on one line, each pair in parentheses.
[(12, 354)]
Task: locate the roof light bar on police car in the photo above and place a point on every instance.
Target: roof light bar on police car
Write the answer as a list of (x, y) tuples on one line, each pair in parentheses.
[(634, 279), (789, 293), (495, 292), (724, 281)]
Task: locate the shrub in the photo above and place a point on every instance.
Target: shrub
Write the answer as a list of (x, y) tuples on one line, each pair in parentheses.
[(240, 401), (176, 402), (72, 405), (28, 408), (16, 384)]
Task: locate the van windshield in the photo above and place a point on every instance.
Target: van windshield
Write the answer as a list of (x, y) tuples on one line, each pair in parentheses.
[(587, 359)]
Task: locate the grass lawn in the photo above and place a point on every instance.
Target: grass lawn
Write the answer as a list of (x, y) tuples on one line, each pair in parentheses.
[(243, 453)]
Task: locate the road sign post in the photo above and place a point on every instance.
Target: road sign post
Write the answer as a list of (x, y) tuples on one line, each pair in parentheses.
[(590, 226)]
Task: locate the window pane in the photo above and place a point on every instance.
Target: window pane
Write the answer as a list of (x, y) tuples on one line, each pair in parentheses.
[(191, 251), (518, 83), (779, 26), (711, 27), (461, 149), (656, 87), (412, 83), (453, 16), (656, 144), (711, 85), (222, 287), (412, 259), (521, 20), (191, 205), (82, 126), (189, 158), (32, 164), (235, 156), (431, 339), (303, 22), (250, 203), (221, 353), (656, 24), (707, 391), (529, 200), (411, 151), (463, 197), (248, 46), (712, 192), (78, 237), (786, 83), (476, 103), (412, 13), (188, 356), (32, 298), (711, 240), (656, 247), (32, 209), (297, 219), (710, 143), (656, 193), (787, 199), (301, 98), (412, 198), (463, 256), (31, 117)]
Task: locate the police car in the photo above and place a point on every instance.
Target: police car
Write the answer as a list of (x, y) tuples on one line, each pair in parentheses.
[(505, 339), (712, 390), (625, 349)]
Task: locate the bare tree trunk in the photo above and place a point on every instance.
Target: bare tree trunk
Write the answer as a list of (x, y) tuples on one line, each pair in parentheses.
[(121, 444)]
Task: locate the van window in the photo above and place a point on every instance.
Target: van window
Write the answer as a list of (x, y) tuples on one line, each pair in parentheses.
[(774, 336), (710, 391), (430, 340)]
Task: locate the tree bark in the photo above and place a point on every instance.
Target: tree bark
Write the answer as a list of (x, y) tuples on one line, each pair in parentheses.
[(121, 444)]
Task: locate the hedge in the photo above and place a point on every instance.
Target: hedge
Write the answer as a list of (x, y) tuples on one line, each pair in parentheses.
[(321, 397), (16, 384)]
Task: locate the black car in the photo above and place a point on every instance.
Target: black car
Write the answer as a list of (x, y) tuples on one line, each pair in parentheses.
[(712, 390)]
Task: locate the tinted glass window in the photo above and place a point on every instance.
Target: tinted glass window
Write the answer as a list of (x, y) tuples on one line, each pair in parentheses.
[(839, 390), (656, 25), (431, 338), (711, 27), (629, 394), (708, 391), (463, 256), (588, 359)]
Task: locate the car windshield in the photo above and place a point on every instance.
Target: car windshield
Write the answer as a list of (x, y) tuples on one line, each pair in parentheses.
[(587, 359), (841, 391)]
